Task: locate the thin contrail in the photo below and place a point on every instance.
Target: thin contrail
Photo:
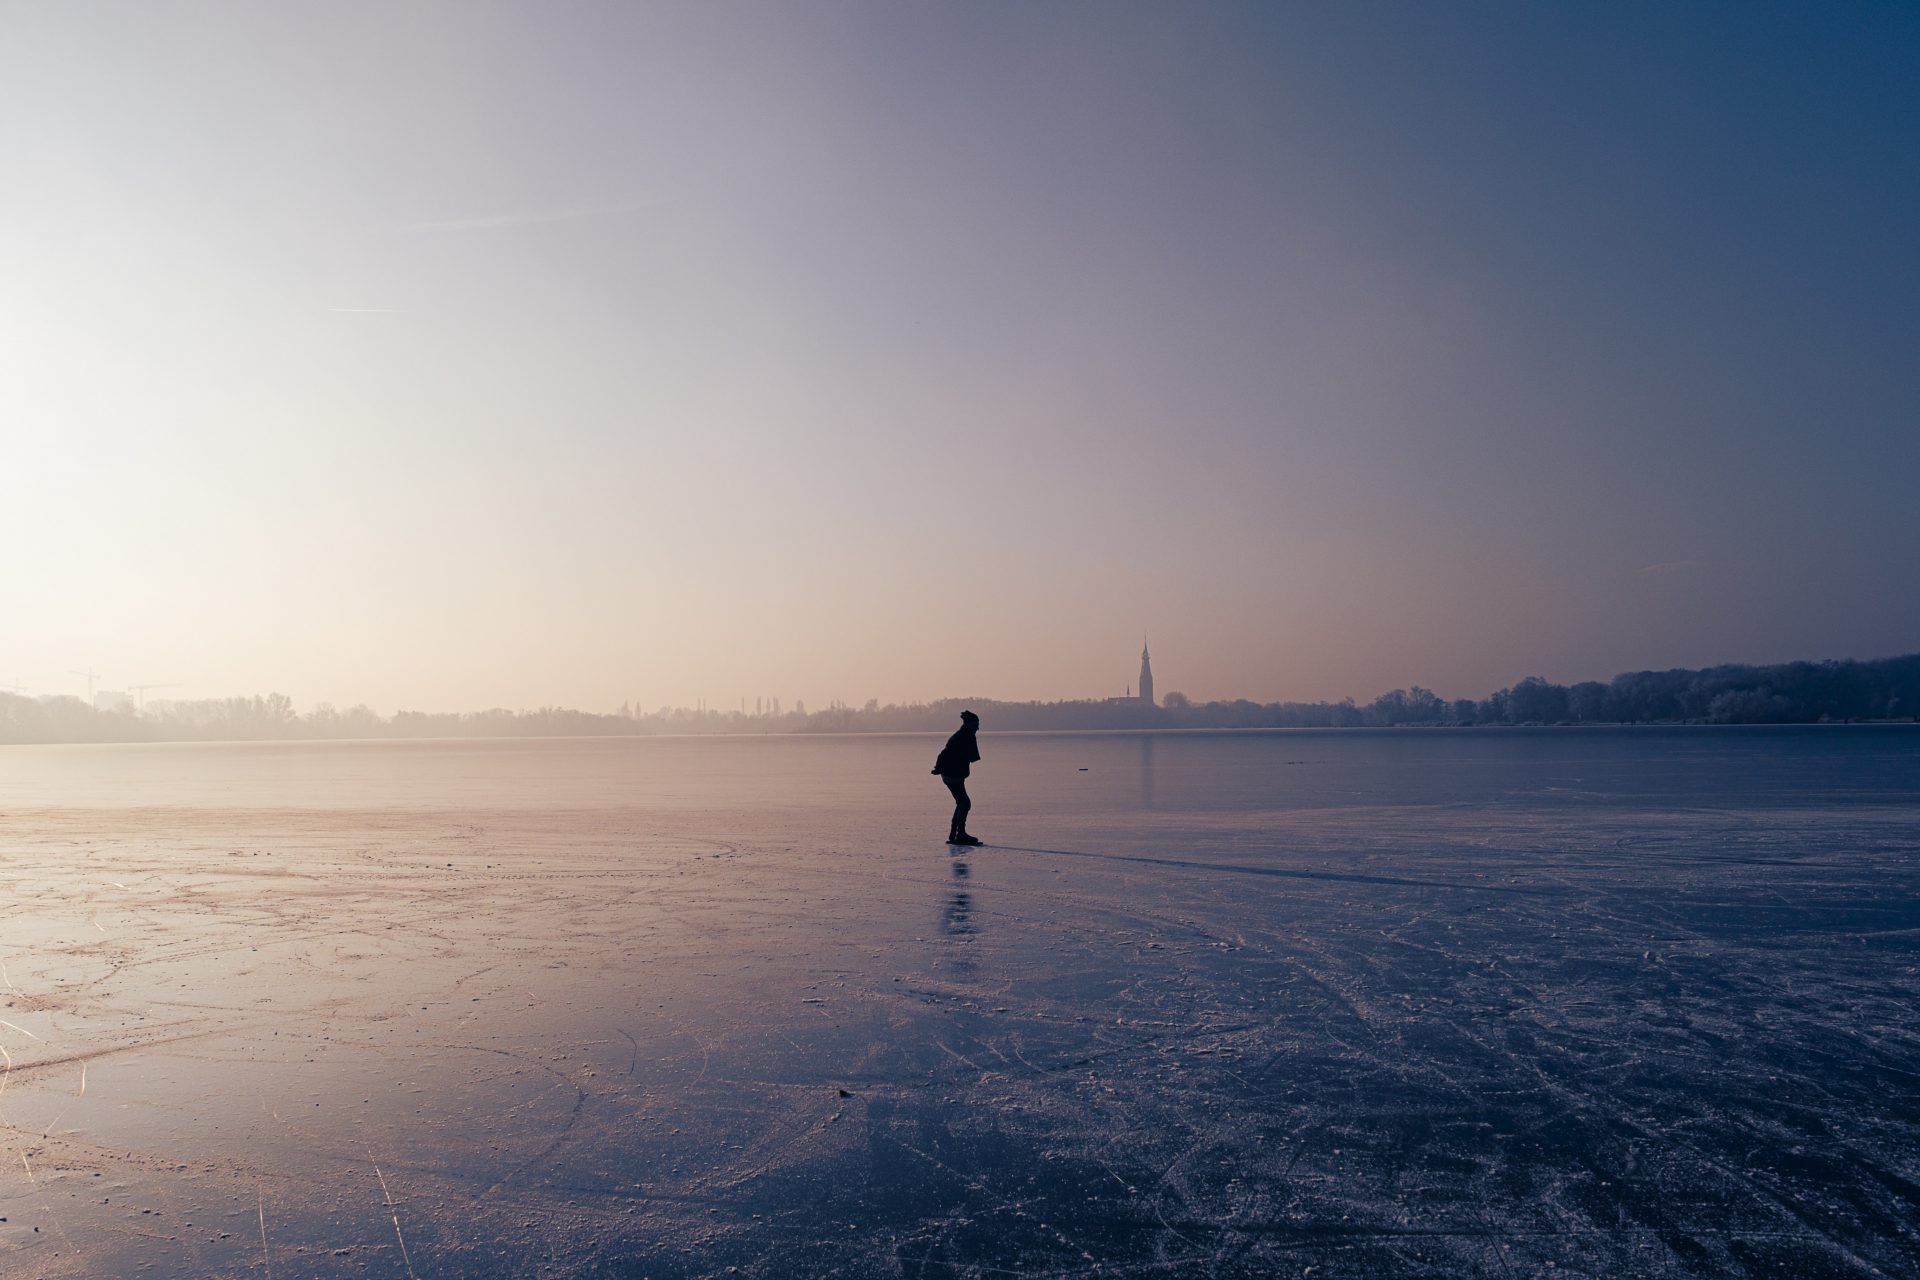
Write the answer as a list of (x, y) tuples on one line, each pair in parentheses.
[(538, 217), (1672, 566)]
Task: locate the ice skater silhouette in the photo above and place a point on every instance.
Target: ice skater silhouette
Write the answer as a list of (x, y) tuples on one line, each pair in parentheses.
[(952, 765)]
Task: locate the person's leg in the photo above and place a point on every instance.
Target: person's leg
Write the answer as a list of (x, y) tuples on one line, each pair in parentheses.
[(961, 804)]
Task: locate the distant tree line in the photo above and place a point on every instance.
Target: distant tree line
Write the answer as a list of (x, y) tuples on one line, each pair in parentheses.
[(1788, 693), (67, 719)]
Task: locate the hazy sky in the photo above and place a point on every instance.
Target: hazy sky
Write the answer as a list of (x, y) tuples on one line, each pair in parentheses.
[(445, 356)]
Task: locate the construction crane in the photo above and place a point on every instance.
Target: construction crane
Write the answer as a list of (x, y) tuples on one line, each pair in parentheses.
[(91, 676), (140, 692)]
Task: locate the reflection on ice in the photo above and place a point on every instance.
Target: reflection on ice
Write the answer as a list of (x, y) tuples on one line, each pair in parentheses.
[(956, 918), (1146, 771)]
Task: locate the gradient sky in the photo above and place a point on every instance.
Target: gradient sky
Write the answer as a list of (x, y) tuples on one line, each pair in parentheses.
[(454, 355)]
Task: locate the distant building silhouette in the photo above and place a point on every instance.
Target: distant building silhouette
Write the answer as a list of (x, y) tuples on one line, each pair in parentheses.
[(1145, 697)]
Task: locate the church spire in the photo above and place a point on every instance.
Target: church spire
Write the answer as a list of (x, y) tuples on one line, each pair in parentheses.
[(1146, 673)]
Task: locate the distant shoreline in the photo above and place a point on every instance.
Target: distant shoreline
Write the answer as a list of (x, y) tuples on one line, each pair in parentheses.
[(806, 735), (1841, 691)]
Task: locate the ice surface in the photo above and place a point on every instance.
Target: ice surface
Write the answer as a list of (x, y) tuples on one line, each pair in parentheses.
[(1342, 1004)]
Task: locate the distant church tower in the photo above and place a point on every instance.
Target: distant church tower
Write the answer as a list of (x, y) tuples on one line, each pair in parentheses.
[(1146, 675)]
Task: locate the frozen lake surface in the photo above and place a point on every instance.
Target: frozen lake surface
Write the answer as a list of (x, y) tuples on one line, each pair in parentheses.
[(1351, 1003)]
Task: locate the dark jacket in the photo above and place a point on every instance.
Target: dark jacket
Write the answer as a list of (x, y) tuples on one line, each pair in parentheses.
[(962, 749)]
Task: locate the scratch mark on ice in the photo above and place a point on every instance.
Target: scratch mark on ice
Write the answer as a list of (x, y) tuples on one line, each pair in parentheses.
[(266, 1256), (394, 1211)]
